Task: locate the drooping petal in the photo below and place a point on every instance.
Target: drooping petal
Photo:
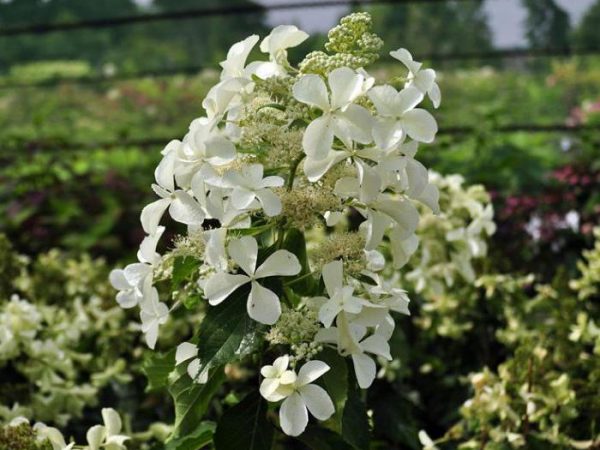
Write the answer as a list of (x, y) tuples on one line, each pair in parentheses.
[(310, 371), (293, 415), (403, 212), (152, 213), (147, 252), (221, 285), (375, 226), (314, 169), (263, 305), (430, 196), (185, 351), (311, 89), (318, 138), (365, 369), (280, 263), (424, 80), (186, 210), (420, 125), (271, 204), (402, 249), (417, 177), (165, 171), (435, 95), (317, 401), (333, 276), (244, 252), (215, 254), (346, 86)]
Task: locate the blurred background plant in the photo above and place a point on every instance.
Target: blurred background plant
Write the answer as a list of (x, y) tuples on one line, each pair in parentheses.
[(501, 350)]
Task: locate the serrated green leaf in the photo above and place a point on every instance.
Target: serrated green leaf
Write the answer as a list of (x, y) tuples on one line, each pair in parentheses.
[(245, 426), (200, 437), (157, 368)]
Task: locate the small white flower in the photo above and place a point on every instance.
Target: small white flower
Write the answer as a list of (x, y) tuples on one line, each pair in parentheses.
[(340, 296), (301, 397), (426, 441), (182, 206), (107, 435), (422, 79), (53, 435), (248, 185), (153, 314), (341, 118), (399, 117), (263, 304), (234, 65), (275, 376)]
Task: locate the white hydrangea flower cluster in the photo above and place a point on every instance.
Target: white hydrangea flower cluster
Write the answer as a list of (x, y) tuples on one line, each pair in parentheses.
[(274, 134), (107, 436)]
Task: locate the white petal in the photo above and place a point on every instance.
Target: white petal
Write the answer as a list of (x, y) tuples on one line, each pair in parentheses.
[(314, 169), (293, 415), (147, 252), (403, 212), (151, 333), (327, 335), (269, 201), (136, 273), (311, 89), (221, 285), (165, 171), (406, 58), (263, 305), (377, 345), (430, 196), (328, 312), (242, 198), (387, 133), (236, 57), (215, 254), (128, 299), (281, 38), (420, 125), (383, 98), (152, 213), (112, 421), (345, 86), (365, 369), (244, 252), (318, 138), (185, 351), (375, 225), (424, 80), (280, 263), (310, 371), (333, 276), (220, 150), (281, 364), (435, 95), (417, 177), (332, 218), (95, 436), (268, 388), (402, 249), (317, 401), (118, 281), (186, 210), (407, 99)]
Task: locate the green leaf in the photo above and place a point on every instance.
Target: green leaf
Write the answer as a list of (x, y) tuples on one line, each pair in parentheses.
[(303, 283), (318, 438), (355, 422), (227, 332), (192, 301), (157, 368), (245, 426), (335, 382), (183, 268), (202, 436), (191, 402)]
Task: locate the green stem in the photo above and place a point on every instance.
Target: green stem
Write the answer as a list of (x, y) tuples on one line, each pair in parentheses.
[(293, 168), (295, 280)]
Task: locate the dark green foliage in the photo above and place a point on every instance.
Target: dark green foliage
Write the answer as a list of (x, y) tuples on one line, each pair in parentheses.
[(547, 25)]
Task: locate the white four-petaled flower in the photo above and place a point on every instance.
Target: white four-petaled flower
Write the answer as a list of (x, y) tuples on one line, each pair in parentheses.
[(262, 304)]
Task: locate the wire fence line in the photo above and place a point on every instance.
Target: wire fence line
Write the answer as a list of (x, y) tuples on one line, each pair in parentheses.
[(195, 69), (232, 10), (45, 146)]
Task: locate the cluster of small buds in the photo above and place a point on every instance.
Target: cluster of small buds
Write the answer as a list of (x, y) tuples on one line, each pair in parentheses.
[(350, 44), (294, 328), (304, 351), (347, 246), (305, 206)]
